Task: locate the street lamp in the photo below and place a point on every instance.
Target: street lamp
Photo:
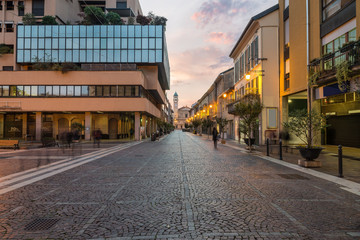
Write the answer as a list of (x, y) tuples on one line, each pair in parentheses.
[(247, 77), (225, 95), (211, 106)]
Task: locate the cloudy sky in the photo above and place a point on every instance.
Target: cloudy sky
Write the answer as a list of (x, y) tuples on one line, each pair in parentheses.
[(200, 36)]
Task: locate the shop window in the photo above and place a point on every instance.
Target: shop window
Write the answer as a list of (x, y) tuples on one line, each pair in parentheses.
[(9, 5), (9, 27)]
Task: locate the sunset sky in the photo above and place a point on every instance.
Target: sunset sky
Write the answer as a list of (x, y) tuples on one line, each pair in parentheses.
[(200, 35)]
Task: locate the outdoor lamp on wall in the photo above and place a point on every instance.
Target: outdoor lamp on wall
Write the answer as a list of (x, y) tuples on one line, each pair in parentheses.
[(225, 95), (247, 77), (211, 106), (204, 110)]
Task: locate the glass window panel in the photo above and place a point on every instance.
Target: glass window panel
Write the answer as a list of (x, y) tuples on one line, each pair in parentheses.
[(152, 57), (42, 91), (117, 42), (103, 30), (69, 31), (56, 91), (110, 31), (99, 91), (89, 56), (48, 57), (82, 55), (137, 31), (41, 55), (55, 31), (131, 31), (138, 43), (48, 90), (336, 44), (82, 43), (121, 91), (145, 56), (159, 43), (1, 87), (34, 56), (6, 90), (47, 43), (89, 31), (131, 43), (48, 31), (127, 91), (110, 43), (55, 55), (84, 90), (117, 56), (76, 32), (34, 43), (110, 56), (96, 43), (134, 91), (70, 91), (158, 56), (103, 56), (92, 91), (103, 43), (106, 91), (76, 43), (20, 31), (113, 91), (62, 31), (27, 31), (124, 44), (77, 91), (61, 43), (20, 43), (352, 35), (34, 31), (117, 31), (68, 56), (20, 91), (34, 91), (145, 31), (41, 43), (124, 30), (27, 91), (82, 31), (27, 56), (63, 91), (89, 43), (342, 40), (96, 56), (20, 56), (137, 56), (76, 56), (124, 56), (137, 92), (152, 31), (27, 43), (69, 43), (62, 56), (55, 43), (151, 43), (145, 43), (159, 31), (131, 57), (97, 31)]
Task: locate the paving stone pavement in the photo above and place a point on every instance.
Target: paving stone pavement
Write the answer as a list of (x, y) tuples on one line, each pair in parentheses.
[(180, 188)]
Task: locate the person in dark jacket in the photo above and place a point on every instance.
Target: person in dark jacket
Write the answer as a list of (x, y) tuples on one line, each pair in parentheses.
[(215, 137)]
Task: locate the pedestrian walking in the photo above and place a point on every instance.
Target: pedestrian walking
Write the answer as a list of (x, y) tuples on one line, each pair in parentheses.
[(215, 137)]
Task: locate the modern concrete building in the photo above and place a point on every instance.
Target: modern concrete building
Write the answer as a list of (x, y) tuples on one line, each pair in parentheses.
[(108, 77)]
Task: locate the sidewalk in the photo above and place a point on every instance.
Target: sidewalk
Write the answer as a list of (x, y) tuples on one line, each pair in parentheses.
[(328, 158)]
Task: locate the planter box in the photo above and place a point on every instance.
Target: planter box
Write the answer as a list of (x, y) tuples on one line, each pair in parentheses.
[(309, 164)]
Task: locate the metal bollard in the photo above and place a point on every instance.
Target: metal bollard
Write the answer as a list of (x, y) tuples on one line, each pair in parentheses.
[(267, 147), (280, 150), (340, 162)]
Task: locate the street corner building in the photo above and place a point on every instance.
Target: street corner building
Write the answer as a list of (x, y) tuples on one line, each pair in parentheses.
[(108, 77)]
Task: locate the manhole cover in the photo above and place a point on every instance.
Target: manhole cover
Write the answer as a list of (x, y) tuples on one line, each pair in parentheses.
[(41, 224), (293, 176)]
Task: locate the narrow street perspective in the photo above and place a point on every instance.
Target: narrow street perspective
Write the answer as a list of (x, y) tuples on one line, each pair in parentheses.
[(176, 188)]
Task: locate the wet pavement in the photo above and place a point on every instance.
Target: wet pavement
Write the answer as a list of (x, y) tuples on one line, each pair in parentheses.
[(176, 188)]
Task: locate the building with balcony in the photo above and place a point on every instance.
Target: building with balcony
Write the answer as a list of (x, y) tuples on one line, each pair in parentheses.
[(256, 70), (107, 77)]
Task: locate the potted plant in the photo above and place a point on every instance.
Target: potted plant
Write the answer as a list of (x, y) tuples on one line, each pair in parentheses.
[(222, 123), (306, 125), (196, 123)]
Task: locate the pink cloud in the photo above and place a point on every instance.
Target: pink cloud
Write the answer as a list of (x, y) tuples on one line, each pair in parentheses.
[(221, 38)]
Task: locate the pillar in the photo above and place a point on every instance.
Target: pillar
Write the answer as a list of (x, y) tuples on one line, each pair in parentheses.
[(2, 127), (88, 121), (38, 126), (153, 129), (137, 126), (236, 128), (143, 124), (24, 126)]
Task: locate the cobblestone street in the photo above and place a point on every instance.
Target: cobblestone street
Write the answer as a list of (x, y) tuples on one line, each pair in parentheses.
[(176, 188)]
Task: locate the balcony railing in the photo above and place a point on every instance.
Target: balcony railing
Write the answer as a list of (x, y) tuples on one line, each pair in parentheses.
[(231, 106)]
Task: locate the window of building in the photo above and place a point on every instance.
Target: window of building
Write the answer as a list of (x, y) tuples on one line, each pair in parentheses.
[(0, 27), (287, 32), (9, 27), (1, 8), (121, 4), (9, 5), (84, 91), (330, 7), (286, 4), (8, 68), (21, 8), (42, 91), (99, 91), (38, 7), (92, 91)]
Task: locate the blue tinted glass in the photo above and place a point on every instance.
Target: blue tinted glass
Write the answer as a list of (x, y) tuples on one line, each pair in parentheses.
[(27, 31), (55, 31), (96, 56), (96, 43), (152, 43), (110, 31), (34, 31), (41, 43), (27, 42), (138, 43), (97, 31), (48, 57), (82, 31), (62, 31), (131, 43), (89, 56), (34, 43), (103, 30), (117, 43), (131, 57), (159, 43), (27, 56), (62, 56), (61, 43), (117, 56), (145, 43), (69, 43), (55, 55), (103, 43), (89, 31), (68, 55), (123, 56), (110, 43), (20, 43), (34, 56), (137, 56), (145, 56), (124, 43), (117, 31), (82, 43), (55, 43), (69, 31), (48, 31), (20, 31), (110, 56), (158, 55), (47, 43), (131, 31), (145, 31), (137, 31), (82, 55), (76, 43), (89, 43), (76, 56), (20, 56), (103, 56), (124, 30), (41, 55), (76, 31), (151, 31), (159, 31), (70, 91)]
